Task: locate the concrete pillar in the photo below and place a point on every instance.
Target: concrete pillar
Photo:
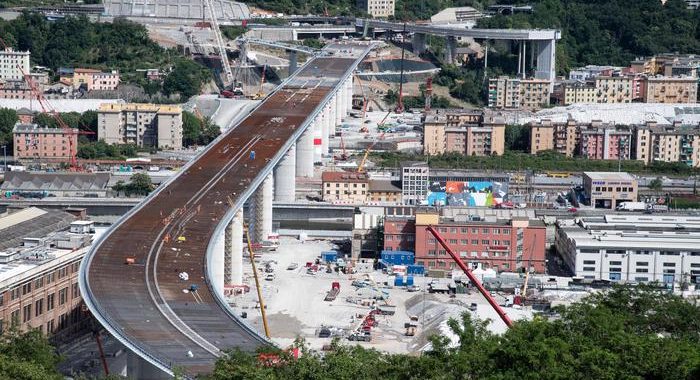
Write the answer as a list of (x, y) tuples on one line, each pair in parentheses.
[(235, 263), (338, 116), (305, 153), (292, 62), (546, 58), (217, 262), (325, 130), (351, 85), (285, 177), (263, 210), (137, 368), (419, 43), (450, 50), (330, 120), (318, 138)]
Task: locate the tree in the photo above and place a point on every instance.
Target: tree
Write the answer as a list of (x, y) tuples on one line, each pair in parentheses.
[(656, 184), (186, 79), (140, 184), (196, 131), (8, 119), (27, 356)]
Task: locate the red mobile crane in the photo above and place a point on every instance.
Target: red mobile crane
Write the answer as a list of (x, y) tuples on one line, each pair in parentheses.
[(475, 281)]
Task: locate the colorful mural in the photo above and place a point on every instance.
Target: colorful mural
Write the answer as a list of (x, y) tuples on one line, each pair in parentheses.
[(472, 193)]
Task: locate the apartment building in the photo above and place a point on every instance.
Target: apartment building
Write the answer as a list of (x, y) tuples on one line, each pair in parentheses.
[(32, 142), (516, 93), (609, 189), (15, 89), (377, 8), (384, 192), (39, 276), (671, 90), (146, 125), (468, 132), (559, 137), (671, 143), (579, 92), (614, 89), (507, 245), (605, 142), (345, 187), (95, 79), (634, 248), (12, 63)]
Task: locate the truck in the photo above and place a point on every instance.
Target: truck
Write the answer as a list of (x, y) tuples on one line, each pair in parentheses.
[(333, 293), (631, 206)]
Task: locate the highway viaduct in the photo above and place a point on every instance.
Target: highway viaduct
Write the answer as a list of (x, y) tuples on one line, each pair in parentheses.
[(194, 223)]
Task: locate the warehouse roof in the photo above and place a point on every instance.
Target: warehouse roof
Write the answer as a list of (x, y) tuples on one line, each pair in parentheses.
[(28, 181), (344, 177), (31, 222)]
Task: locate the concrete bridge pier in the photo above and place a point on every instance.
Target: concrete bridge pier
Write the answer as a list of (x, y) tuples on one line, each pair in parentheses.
[(233, 258), (263, 210), (328, 120), (137, 368), (305, 153), (292, 61), (546, 55), (324, 132), (450, 50), (217, 262), (318, 137), (285, 177), (350, 86), (419, 42)]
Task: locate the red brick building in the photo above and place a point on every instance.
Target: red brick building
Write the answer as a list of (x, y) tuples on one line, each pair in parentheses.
[(36, 143), (505, 245)]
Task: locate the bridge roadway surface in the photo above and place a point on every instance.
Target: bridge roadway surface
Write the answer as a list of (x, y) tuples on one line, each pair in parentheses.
[(143, 304)]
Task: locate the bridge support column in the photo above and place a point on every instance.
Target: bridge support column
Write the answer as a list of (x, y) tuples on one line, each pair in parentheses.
[(329, 119), (325, 130), (546, 55), (305, 153), (263, 210), (137, 368), (450, 50), (318, 138), (233, 272), (292, 62), (351, 86), (420, 44), (338, 108), (285, 175), (217, 262)]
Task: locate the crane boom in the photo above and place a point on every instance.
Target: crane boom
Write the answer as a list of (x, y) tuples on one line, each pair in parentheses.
[(220, 44), (475, 281)]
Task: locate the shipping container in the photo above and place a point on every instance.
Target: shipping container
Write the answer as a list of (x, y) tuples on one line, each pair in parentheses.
[(329, 256), (403, 281), (415, 269), (398, 257)]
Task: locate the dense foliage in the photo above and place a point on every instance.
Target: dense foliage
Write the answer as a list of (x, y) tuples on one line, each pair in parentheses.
[(139, 184), (101, 150), (8, 118), (196, 131), (546, 160), (27, 356), (120, 45), (411, 102), (627, 333), (610, 32)]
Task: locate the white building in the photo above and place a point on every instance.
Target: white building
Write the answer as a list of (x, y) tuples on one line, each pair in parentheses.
[(635, 248), (377, 8), (145, 125), (10, 63)]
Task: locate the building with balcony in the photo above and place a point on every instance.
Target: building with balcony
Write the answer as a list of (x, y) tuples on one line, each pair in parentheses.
[(617, 89), (671, 90), (345, 187), (516, 93), (560, 137), (468, 132), (91, 80), (605, 142), (632, 248), (34, 143), (145, 125), (609, 189), (669, 143)]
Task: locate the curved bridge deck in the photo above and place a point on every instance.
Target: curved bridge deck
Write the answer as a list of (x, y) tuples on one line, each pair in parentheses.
[(144, 304)]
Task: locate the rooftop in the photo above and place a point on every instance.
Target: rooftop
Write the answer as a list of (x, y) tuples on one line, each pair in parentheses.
[(609, 176), (144, 107), (28, 181), (376, 185), (34, 128), (31, 222), (344, 177)]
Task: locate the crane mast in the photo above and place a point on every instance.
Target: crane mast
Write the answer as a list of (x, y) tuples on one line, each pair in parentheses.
[(220, 44)]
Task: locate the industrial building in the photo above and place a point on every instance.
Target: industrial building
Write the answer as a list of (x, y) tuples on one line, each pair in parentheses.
[(501, 244), (38, 184), (39, 261), (145, 125), (609, 189), (635, 248)]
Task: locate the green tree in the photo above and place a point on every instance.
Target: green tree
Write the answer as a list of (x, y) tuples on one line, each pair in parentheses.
[(140, 184), (517, 137), (27, 356), (196, 131), (185, 79), (88, 123), (656, 184), (8, 119)]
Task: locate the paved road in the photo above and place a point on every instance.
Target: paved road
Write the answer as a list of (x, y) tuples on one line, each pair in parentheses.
[(144, 304)]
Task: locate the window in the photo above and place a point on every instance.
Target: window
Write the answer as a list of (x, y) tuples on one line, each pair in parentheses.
[(642, 270), (26, 313), (615, 269), (588, 262), (475, 230), (588, 269), (27, 288), (475, 241), (485, 242), (38, 283), (506, 231), (453, 241), (14, 317), (38, 307), (50, 301), (673, 265), (75, 291), (642, 263), (485, 230)]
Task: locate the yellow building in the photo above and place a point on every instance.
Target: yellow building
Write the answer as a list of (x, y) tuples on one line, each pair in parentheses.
[(614, 89), (579, 92), (516, 93), (345, 187), (467, 132), (668, 144), (671, 90), (559, 137)]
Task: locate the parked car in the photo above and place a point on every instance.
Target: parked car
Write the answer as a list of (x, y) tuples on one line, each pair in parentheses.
[(293, 266), (270, 277)]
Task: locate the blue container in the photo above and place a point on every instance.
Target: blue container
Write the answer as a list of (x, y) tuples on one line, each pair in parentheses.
[(403, 281), (408, 281), (415, 269), (398, 257), (329, 256)]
